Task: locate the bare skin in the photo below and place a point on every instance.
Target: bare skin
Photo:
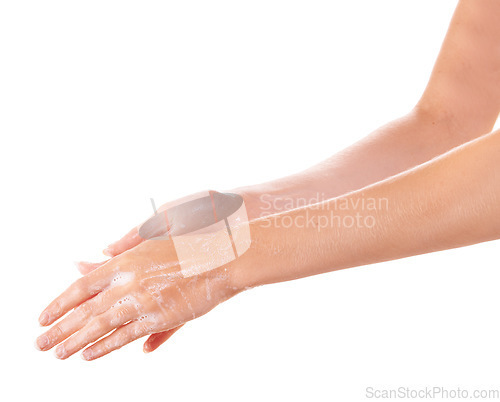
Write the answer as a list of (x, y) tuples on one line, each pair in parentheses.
[(141, 292), (461, 102), (451, 201)]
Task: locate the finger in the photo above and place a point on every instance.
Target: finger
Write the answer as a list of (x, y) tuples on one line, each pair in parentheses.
[(154, 341), (120, 337), (95, 329), (130, 240), (81, 290), (85, 267), (77, 319)]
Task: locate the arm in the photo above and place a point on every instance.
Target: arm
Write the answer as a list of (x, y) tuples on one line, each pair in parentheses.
[(452, 201), (461, 102)]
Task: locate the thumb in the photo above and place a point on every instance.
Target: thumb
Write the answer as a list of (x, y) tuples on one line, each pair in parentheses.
[(130, 240), (85, 267), (154, 341)]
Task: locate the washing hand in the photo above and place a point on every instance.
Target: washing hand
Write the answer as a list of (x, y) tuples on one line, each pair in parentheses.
[(134, 238), (139, 292), (177, 267)]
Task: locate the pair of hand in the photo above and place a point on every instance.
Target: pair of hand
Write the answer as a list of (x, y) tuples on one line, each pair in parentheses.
[(141, 290), (129, 241)]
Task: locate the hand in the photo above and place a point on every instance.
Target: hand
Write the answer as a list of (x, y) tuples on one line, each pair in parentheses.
[(133, 238), (127, 242), (140, 292)]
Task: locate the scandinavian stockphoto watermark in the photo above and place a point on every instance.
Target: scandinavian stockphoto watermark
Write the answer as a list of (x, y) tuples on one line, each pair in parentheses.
[(431, 392), (321, 213)]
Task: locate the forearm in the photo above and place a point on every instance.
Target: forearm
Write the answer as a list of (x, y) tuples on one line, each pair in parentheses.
[(460, 103), (452, 201), (395, 147)]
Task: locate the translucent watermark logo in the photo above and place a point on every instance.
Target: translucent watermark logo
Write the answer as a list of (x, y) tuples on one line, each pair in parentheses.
[(322, 213), (208, 229), (434, 392)]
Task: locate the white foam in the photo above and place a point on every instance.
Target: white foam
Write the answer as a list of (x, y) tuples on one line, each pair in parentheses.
[(122, 278)]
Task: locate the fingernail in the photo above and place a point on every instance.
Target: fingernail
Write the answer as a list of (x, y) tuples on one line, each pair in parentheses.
[(42, 342), (44, 318), (107, 251), (87, 354), (60, 352)]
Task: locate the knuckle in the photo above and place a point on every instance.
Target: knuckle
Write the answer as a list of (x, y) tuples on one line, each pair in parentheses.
[(119, 340), (98, 301), (55, 307), (120, 316), (123, 313), (85, 309), (93, 328), (98, 324), (80, 286), (141, 329), (56, 332)]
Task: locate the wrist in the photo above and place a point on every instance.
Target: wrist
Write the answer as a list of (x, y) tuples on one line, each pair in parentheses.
[(275, 253), (248, 270)]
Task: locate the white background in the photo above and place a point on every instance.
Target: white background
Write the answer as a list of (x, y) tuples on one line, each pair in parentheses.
[(105, 104)]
